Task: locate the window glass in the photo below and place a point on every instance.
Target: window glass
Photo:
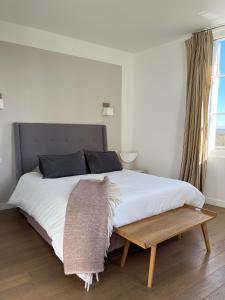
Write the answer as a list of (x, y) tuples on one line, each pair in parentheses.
[(221, 95), (217, 99), (220, 131), (221, 45)]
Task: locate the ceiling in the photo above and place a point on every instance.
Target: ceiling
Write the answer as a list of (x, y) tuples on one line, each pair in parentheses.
[(131, 25)]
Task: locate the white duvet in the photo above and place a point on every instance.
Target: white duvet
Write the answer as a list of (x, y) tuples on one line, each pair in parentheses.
[(142, 195)]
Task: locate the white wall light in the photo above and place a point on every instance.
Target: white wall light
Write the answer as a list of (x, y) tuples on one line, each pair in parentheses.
[(1, 102), (128, 157), (107, 109)]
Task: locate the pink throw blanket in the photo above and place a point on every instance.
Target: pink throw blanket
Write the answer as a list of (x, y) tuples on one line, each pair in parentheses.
[(88, 227)]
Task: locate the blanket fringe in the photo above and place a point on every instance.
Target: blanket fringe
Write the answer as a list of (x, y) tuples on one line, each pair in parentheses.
[(88, 279), (113, 202)]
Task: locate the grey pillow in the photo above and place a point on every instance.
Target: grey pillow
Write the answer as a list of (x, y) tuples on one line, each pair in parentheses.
[(55, 166), (102, 162)]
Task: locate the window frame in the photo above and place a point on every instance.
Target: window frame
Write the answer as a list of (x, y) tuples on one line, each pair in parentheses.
[(215, 151)]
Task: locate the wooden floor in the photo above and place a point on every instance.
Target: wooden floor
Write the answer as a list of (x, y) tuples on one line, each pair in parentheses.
[(30, 270)]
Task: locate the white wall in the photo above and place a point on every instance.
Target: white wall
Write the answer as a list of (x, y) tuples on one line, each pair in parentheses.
[(159, 117), (215, 181), (159, 110)]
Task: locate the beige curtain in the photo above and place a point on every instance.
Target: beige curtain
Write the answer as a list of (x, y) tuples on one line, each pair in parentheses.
[(199, 71)]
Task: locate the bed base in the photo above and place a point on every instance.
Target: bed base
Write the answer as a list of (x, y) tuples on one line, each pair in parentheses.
[(116, 241), (37, 227)]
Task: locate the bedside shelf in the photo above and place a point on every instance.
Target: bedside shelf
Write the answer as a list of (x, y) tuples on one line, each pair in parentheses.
[(140, 171)]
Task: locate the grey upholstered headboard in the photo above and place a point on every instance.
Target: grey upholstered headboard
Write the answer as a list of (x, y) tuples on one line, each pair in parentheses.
[(32, 139)]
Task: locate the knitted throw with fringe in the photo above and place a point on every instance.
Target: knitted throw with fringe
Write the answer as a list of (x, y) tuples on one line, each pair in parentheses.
[(88, 227)]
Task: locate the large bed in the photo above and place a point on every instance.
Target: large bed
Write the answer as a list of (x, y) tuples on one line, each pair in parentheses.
[(44, 201)]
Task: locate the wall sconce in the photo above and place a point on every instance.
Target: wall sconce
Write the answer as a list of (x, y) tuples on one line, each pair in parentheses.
[(107, 110), (1, 102)]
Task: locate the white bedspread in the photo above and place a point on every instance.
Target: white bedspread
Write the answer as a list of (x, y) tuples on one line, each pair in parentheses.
[(142, 196)]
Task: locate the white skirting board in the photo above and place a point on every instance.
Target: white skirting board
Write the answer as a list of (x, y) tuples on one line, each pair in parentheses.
[(216, 202), (5, 206)]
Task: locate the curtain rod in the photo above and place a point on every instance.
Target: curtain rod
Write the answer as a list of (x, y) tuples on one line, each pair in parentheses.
[(211, 28)]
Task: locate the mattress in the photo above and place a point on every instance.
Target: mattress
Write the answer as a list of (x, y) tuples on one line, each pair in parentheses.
[(142, 195)]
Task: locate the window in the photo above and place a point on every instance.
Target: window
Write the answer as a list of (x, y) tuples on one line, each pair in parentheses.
[(217, 99)]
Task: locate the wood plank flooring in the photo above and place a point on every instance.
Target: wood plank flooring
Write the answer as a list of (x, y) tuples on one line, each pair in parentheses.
[(30, 270)]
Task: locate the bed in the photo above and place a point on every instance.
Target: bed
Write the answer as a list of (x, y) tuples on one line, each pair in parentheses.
[(44, 201)]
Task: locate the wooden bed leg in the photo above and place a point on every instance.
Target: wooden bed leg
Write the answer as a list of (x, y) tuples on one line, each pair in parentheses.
[(206, 236), (179, 236), (125, 252), (151, 265)]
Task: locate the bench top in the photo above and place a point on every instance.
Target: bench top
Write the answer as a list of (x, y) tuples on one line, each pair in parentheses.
[(156, 229)]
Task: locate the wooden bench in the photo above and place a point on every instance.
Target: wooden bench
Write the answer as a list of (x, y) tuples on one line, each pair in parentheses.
[(149, 232)]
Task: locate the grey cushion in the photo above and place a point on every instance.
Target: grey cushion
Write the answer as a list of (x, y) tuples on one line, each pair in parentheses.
[(102, 162), (55, 166)]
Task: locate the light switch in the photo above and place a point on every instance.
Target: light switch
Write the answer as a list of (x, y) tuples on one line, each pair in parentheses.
[(1, 102)]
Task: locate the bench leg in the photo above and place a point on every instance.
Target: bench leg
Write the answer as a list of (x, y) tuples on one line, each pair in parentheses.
[(151, 265), (206, 236), (124, 255)]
